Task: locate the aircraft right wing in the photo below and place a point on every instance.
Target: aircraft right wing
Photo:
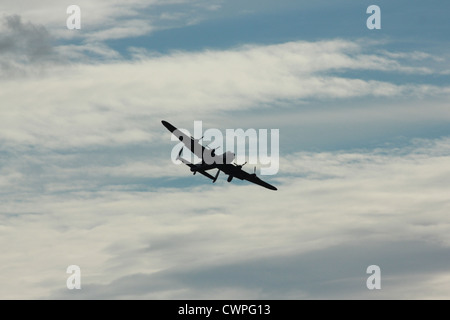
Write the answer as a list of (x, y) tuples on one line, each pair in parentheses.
[(253, 178), (192, 144), (236, 171)]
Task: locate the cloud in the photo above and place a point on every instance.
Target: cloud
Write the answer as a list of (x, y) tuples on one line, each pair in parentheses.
[(86, 177), (112, 19), (334, 214), (415, 55), (116, 102), (24, 38), (322, 274), (129, 28), (21, 44)]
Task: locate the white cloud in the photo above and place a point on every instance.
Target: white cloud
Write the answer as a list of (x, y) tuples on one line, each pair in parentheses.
[(103, 20), (129, 28), (87, 53), (121, 102)]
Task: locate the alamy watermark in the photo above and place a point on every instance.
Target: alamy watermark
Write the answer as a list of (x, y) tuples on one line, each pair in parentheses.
[(74, 20), (74, 280), (374, 280), (232, 145), (374, 21)]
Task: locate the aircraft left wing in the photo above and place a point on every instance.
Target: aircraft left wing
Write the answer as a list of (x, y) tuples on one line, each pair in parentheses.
[(203, 172)]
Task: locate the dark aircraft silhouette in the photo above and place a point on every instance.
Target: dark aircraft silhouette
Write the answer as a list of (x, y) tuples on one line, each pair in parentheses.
[(210, 160)]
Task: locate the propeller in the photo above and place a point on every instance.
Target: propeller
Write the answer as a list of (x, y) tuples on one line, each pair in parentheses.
[(198, 140), (240, 165), (210, 143)]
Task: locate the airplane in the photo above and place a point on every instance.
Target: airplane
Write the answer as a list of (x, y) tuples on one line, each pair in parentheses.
[(210, 160)]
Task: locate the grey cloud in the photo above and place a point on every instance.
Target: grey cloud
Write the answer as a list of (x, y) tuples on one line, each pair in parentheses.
[(333, 273), (22, 44), (24, 38)]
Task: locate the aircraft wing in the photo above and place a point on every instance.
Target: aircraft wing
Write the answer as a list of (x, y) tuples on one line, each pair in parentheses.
[(255, 179), (206, 174), (237, 172), (190, 143), (203, 172)]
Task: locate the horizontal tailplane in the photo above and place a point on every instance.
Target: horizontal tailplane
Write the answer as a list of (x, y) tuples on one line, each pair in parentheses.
[(217, 175)]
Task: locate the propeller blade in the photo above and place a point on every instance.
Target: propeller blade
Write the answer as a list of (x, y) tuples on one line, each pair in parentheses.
[(211, 148), (240, 165)]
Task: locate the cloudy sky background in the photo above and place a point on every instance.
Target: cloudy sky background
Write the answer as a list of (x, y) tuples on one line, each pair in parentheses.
[(85, 170)]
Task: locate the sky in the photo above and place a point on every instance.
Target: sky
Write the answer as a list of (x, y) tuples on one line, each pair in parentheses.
[(86, 176)]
